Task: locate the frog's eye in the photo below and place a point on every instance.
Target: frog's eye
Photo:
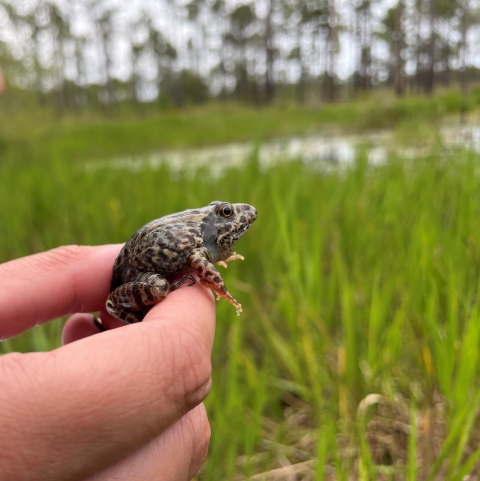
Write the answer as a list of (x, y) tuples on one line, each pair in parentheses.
[(226, 210)]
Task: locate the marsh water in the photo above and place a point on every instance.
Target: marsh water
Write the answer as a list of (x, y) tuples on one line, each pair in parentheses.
[(325, 151)]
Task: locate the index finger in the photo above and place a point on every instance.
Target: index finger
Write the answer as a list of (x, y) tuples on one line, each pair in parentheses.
[(41, 287)]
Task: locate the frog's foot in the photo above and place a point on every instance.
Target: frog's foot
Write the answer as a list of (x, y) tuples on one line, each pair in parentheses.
[(226, 295), (233, 257), (221, 291), (128, 302), (210, 277), (177, 284)]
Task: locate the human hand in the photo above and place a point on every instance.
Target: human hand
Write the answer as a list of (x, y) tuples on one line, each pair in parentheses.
[(122, 405)]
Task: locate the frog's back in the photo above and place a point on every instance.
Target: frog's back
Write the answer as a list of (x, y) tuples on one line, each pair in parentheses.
[(169, 238)]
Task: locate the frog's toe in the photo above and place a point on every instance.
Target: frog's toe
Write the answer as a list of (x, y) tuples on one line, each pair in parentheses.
[(177, 284)]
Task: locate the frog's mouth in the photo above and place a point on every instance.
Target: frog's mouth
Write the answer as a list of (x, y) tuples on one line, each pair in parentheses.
[(231, 236), (241, 231)]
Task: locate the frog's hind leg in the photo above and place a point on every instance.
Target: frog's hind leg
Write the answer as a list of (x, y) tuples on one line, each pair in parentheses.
[(210, 277), (128, 301)]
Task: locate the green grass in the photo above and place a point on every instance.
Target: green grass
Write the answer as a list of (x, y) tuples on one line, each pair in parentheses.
[(32, 132), (364, 282)]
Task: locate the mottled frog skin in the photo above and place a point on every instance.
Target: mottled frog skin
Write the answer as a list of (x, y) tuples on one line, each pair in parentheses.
[(149, 264)]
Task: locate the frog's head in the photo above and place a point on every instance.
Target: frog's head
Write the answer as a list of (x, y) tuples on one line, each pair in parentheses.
[(227, 223)]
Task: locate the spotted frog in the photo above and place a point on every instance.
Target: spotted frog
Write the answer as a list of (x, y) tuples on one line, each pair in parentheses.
[(149, 264)]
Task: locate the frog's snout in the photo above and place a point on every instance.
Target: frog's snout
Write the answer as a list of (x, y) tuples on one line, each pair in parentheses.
[(250, 212)]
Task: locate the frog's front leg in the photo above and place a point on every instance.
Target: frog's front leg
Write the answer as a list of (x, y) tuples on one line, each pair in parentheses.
[(128, 301), (233, 257), (210, 277)]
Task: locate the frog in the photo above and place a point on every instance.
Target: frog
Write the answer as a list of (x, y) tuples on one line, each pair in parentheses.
[(165, 253)]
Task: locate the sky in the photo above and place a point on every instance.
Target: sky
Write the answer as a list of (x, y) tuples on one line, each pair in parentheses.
[(166, 17)]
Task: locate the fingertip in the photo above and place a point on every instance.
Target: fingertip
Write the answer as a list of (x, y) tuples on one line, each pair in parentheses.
[(60, 281), (194, 298), (189, 305)]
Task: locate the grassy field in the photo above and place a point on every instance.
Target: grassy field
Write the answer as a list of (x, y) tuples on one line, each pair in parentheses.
[(356, 355), (28, 131), (357, 351)]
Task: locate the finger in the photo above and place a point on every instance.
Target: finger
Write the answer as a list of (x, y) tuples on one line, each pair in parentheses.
[(90, 403), (55, 283), (79, 326), (178, 453)]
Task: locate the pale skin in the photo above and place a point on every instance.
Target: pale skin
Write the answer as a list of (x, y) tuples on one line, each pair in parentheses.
[(125, 404)]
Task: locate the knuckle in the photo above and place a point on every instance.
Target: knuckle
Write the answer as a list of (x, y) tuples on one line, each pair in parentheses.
[(18, 377), (64, 255), (22, 369), (195, 367), (12, 363), (26, 267), (200, 436), (182, 356)]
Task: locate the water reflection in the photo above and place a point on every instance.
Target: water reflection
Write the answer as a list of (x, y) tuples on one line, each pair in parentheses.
[(327, 152)]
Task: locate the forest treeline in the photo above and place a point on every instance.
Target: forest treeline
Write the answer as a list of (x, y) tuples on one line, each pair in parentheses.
[(99, 52)]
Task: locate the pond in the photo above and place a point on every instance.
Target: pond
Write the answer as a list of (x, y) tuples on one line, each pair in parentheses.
[(327, 152)]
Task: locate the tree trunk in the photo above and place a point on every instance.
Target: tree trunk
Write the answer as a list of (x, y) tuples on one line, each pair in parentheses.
[(364, 34), (463, 58), (430, 73), (332, 51), (398, 38), (301, 84), (79, 94), (58, 63), (269, 54), (102, 38), (447, 73)]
